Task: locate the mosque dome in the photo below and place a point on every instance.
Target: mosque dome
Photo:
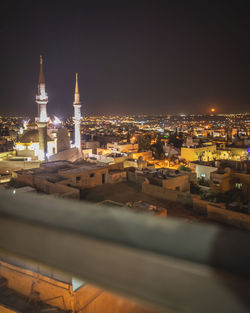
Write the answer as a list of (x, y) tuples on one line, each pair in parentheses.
[(32, 136)]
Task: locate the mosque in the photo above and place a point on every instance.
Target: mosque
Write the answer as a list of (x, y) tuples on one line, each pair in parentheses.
[(43, 137)]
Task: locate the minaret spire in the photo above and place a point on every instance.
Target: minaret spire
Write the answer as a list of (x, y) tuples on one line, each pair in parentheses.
[(77, 94), (42, 119), (76, 89), (41, 75), (42, 97), (77, 115)]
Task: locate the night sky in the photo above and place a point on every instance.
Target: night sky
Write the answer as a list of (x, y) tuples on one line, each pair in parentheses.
[(131, 56)]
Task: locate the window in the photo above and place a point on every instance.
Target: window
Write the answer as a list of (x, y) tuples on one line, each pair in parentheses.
[(103, 178), (203, 175), (238, 186), (78, 178), (216, 183), (91, 175)]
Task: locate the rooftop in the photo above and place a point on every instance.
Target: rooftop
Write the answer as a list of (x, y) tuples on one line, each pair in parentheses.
[(235, 166), (86, 166), (161, 173)]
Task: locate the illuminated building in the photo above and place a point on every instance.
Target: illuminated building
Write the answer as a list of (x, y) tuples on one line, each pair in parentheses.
[(204, 153), (29, 144), (35, 141), (42, 97), (42, 120), (77, 115), (122, 147)]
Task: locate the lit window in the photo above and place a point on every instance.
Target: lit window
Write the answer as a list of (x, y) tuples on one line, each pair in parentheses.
[(238, 186)]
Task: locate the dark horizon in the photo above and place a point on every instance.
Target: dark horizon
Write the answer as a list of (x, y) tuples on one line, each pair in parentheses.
[(132, 57)]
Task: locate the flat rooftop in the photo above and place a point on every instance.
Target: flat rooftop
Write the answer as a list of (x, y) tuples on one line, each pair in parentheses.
[(83, 167), (52, 170), (164, 173), (127, 192)]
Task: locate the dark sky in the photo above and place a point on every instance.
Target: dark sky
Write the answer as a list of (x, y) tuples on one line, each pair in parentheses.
[(131, 56)]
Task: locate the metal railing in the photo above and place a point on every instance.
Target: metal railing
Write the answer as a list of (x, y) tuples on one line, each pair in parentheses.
[(164, 263)]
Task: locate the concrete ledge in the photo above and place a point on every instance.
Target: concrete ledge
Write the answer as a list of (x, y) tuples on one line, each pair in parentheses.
[(236, 219)]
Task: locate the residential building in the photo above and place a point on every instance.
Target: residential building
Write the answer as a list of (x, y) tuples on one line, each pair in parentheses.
[(200, 153)]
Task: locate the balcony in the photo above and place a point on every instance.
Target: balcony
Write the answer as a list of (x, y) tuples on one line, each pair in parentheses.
[(165, 264)]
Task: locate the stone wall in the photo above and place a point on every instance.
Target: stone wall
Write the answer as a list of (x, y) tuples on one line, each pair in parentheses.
[(18, 165), (116, 166), (216, 212), (27, 283), (43, 185), (221, 182), (180, 183), (185, 198), (115, 177), (63, 141), (160, 192), (87, 299), (137, 179), (222, 215), (85, 179)]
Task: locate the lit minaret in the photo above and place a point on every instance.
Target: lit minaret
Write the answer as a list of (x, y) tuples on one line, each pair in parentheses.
[(42, 97), (42, 119), (77, 116)]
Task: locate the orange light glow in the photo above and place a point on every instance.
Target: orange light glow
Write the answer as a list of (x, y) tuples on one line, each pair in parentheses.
[(212, 110)]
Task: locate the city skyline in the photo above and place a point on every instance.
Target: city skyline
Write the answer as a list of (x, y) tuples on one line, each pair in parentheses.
[(132, 59)]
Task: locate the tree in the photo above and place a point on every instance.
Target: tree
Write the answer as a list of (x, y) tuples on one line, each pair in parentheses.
[(128, 137), (176, 140), (144, 142), (157, 150)]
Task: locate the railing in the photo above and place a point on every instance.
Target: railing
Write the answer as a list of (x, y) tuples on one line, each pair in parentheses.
[(164, 263)]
